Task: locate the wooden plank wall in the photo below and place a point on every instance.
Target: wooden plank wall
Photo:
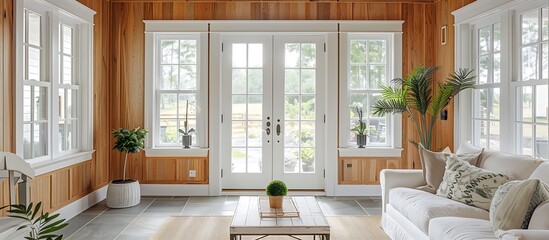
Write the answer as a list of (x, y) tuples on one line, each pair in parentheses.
[(59, 188), (127, 59)]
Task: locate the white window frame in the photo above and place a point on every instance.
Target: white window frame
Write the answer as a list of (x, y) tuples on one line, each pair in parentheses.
[(155, 32), (482, 13), (393, 37), (78, 15)]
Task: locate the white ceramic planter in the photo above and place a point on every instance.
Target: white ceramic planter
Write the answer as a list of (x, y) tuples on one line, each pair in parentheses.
[(123, 195)]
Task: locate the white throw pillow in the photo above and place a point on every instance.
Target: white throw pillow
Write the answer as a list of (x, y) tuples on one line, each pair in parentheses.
[(540, 218)]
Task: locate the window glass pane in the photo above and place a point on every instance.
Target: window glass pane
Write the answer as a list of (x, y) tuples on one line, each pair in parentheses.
[(545, 61), (292, 55), (497, 68), (482, 134), (526, 94), (27, 102), (191, 124), (255, 55), (358, 77), (168, 105), (308, 77), (255, 106), (61, 137), (168, 131), (40, 102), (61, 102), (291, 156), (307, 157), (238, 160), (483, 69), (40, 139), (27, 141), (497, 37), (481, 100), (308, 55), (187, 51), (72, 134), (495, 107), (187, 74), (530, 27), (33, 64), (67, 70), (187, 105), (541, 142), (239, 81), (34, 31), (377, 130), (170, 76), (255, 81), (368, 110), (239, 107), (484, 40), (376, 51), (254, 160), (526, 139), (358, 51), (529, 63), (170, 51), (358, 98), (376, 77), (494, 135), (541, 103), (66, 37)]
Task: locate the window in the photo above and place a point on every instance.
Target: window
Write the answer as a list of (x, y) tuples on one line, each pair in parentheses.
[(486, 96), (53, 68), (509, 52), (531, 86), (178, 91), (369, 65)]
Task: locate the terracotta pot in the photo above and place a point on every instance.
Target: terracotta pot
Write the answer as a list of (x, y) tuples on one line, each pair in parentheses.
[(276, 201)]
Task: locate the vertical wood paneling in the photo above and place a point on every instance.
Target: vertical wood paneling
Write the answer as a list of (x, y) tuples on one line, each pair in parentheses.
[(161, 169), (60, 188), (364, 171), (80, 180), (40, 191), (200, 165)]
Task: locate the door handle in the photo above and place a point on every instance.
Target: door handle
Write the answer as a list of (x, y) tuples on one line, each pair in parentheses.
[(268, 131), (278, 129)]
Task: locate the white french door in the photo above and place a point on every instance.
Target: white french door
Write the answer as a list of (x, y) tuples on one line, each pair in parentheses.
[(273, 111)]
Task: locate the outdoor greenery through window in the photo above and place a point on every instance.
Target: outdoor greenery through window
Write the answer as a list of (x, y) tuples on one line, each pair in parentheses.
[(368, 70), (176, 85)]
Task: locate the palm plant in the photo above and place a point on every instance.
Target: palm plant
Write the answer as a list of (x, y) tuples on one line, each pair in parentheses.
[(40, 225), (414, 95)]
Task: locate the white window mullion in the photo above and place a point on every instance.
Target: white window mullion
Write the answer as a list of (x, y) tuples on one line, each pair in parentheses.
[(53, 56)]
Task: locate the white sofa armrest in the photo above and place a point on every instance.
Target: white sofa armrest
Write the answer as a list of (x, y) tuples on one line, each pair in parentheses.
[(524, 234), (394, 178)]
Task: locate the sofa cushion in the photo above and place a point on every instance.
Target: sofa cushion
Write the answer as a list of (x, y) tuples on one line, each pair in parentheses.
[(539, 218), (460, 228), (542, 172), (419, 207), (434, 164), (515, 202), (469, 184), (516, 167)]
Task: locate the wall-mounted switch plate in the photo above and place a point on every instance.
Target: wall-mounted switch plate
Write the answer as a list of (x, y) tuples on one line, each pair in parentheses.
[(192, 173)]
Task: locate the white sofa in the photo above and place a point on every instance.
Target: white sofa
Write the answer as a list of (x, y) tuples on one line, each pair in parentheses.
[(413, 214)]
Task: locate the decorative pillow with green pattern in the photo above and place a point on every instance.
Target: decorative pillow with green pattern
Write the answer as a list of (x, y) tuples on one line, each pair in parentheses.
[(468, 184)]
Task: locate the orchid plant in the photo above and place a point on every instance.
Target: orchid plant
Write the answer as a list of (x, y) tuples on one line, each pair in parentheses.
[(186, 131), (360, 126)]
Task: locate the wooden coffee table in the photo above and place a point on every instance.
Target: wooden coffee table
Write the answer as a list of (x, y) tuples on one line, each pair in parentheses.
[(311, 221)]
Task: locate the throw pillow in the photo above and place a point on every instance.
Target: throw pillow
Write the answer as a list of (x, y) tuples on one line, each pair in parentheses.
[(467, 148), (539, 217), (434, 164), (515, 202), (468, 184)]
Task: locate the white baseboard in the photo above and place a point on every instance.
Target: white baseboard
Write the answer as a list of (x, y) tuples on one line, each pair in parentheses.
[(175, 190), (83, 204), (358, 190)]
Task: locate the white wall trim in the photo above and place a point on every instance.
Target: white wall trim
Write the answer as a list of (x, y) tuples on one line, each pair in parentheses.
[(175, 190), (331, 159), (176, 152), (82, 204), (371, 26), (358, 190), (175, 26), (73, 8), (484, 8), (370, 152)]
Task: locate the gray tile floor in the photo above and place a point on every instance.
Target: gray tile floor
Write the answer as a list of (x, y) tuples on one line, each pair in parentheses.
[(141, 221)]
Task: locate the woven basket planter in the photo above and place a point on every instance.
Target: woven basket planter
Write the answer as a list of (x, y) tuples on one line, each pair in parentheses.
[(123, 195)]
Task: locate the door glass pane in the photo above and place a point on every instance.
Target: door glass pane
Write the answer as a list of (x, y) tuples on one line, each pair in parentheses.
[(529, 63), (307, 134), (308, 107), (530, 27), (291, 107), (541, 142), (292, 55), (308, 55), (291, 159), (247, 108), (307, 160), (308, 77), (291, 133)]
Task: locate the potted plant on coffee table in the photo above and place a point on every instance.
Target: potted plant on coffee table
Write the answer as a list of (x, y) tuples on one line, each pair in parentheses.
[(123, 193), (276, 190)]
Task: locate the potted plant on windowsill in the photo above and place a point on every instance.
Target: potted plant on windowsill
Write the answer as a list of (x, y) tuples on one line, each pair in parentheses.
[(360, 126), (125, 192), (276, 190), (186, 137)]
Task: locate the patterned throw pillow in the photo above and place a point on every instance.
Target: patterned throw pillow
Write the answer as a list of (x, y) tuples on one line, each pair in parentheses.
[(515, 202), (468, 184)]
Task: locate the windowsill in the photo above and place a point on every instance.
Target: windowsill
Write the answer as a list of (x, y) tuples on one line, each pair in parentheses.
[(47, 166), (176, 152), (370, 152)]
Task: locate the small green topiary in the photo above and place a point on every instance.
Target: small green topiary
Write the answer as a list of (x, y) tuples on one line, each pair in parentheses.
[(277, 188)]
